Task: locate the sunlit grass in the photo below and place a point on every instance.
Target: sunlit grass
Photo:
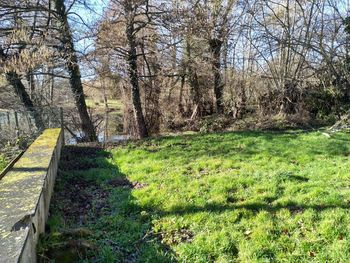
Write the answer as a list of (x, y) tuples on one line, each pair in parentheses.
[(226, 197), (249, 196)]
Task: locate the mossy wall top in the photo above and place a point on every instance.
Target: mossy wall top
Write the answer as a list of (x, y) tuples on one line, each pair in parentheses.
[(20, 190)]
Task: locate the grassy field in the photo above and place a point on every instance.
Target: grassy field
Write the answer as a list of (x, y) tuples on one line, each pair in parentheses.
[(230, 197), (112, 104)]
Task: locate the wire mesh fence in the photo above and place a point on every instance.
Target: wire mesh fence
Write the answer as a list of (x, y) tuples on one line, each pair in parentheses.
[(19, 126), (27, 123)]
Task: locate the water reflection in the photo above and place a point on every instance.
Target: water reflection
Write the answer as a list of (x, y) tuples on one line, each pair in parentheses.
[(70, 140), (110, 130)]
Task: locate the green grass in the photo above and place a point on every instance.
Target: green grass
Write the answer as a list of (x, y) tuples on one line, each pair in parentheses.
[(3, 162), (229, 197), (112, 104)]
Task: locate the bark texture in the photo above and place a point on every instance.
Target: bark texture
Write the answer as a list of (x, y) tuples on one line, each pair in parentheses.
[(74, 73), (141, 128), (215, 46)]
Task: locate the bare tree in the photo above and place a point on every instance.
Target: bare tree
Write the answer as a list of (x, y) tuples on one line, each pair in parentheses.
[(74, 71)]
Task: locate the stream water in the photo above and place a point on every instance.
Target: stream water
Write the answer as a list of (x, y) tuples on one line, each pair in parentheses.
[(110, 129), (70, 140)]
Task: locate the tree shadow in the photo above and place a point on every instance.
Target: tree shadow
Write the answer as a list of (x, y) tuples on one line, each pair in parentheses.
[(293, 207), (94, 216), (29, 169), (91, 192)]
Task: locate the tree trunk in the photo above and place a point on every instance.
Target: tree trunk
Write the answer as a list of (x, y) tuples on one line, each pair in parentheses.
[(133, 74), (135, 91), (215, 46), (15, 81), (194, 83), (74, 73), (152, 91), (180, 105)]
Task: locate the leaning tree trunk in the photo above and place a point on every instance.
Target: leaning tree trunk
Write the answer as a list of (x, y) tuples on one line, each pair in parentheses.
[(74, 73), (15, 81), (13, 78), (215, 47), (133, 74)]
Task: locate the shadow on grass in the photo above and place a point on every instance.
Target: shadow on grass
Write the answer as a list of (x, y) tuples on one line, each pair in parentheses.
[(93, 215), (92, 193), (255, 207)]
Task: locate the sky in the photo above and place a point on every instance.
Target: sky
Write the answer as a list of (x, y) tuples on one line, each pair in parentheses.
[(80, 19), (88, 15)]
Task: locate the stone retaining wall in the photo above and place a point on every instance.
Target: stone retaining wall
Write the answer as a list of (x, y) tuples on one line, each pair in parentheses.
[(25, 193)]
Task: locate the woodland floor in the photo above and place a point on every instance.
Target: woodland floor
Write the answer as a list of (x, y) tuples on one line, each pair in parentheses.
[(220, 197)]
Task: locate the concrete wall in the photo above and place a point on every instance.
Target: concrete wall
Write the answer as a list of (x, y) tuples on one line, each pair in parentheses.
[(25, 193)]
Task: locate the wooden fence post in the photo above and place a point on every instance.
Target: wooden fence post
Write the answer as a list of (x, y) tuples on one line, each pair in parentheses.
[(62, 123), (17, 125), (8, 118)]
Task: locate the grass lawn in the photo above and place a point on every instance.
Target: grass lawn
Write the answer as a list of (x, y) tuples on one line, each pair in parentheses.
[(224, 197)]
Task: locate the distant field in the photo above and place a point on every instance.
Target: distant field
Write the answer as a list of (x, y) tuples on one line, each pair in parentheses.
[(115, 114), (223, 197), (112, 104)]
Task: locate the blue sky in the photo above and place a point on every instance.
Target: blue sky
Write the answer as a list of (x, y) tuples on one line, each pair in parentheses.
[(90, 15)]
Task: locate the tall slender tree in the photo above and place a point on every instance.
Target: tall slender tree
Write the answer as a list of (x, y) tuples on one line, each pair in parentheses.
[(130, 8), (72, 66)]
